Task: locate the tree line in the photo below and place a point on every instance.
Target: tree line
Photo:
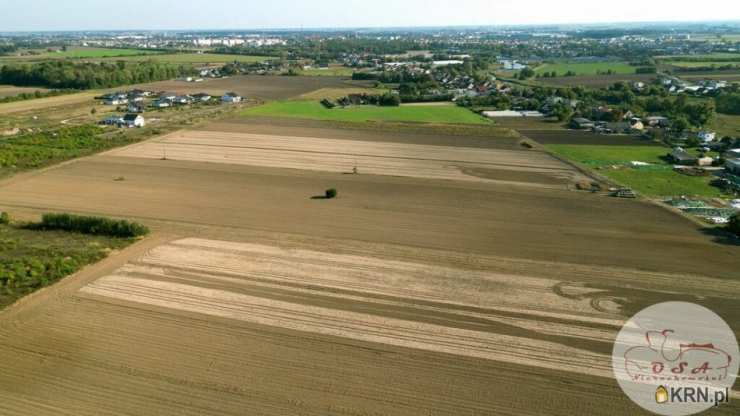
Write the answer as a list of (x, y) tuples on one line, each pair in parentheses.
[(87, 75)]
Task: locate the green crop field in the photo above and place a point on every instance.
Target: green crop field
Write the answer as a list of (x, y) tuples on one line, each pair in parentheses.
[(448, 114), (657, 180), (586, 68), (78, 53), (596, 155), (137, 55)]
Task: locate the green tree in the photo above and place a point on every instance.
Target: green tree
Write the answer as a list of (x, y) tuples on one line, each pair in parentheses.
[(734, 224)]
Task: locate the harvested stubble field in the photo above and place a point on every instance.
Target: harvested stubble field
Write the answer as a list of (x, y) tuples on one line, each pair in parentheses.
[(403, 296), (342, 156), (11, 90), (47, 103)]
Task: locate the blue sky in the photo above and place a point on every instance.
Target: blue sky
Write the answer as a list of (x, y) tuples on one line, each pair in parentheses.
[(18, 15)]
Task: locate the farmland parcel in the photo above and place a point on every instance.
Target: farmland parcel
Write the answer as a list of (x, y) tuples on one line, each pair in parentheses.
[(457, 272)]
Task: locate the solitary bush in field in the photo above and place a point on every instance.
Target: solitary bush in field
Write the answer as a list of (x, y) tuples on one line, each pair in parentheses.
[(331, 193), (4, 218), (92, 225)]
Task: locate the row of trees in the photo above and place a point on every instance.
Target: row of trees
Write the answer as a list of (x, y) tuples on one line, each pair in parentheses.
[(86, 75), (91, 225)]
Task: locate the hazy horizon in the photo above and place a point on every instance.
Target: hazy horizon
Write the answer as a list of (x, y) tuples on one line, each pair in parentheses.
[(89, 15)]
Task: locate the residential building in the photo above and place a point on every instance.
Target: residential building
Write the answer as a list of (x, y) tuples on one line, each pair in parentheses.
[(112, 120), (133, 120), (231, 97), (707, 136)]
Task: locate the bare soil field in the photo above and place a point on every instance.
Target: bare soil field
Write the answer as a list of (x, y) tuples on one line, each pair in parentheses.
[(343, 156), (467, 135), (255, 86), (730, 76), (11, 90), (596, 81), (403, 296)]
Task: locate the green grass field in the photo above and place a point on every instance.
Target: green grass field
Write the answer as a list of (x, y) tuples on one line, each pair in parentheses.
[(596, 155), (80, 53), (658, 180), (137, 55), (586, 68), (447, 114)]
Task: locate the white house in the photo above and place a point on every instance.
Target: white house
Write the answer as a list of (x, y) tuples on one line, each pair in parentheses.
[(231, 97), (133, 120), (707, 136)]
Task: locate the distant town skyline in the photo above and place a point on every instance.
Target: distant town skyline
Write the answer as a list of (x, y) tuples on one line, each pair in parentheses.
[(53, 15)]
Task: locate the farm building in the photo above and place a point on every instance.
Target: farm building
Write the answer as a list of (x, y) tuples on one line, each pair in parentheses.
[(231, 97), (512, 113), (705, 161), (133, 120), (582, 123), (680, 156)]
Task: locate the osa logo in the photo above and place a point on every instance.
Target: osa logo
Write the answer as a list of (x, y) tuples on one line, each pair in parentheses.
[(665, 357), (676, 359)]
